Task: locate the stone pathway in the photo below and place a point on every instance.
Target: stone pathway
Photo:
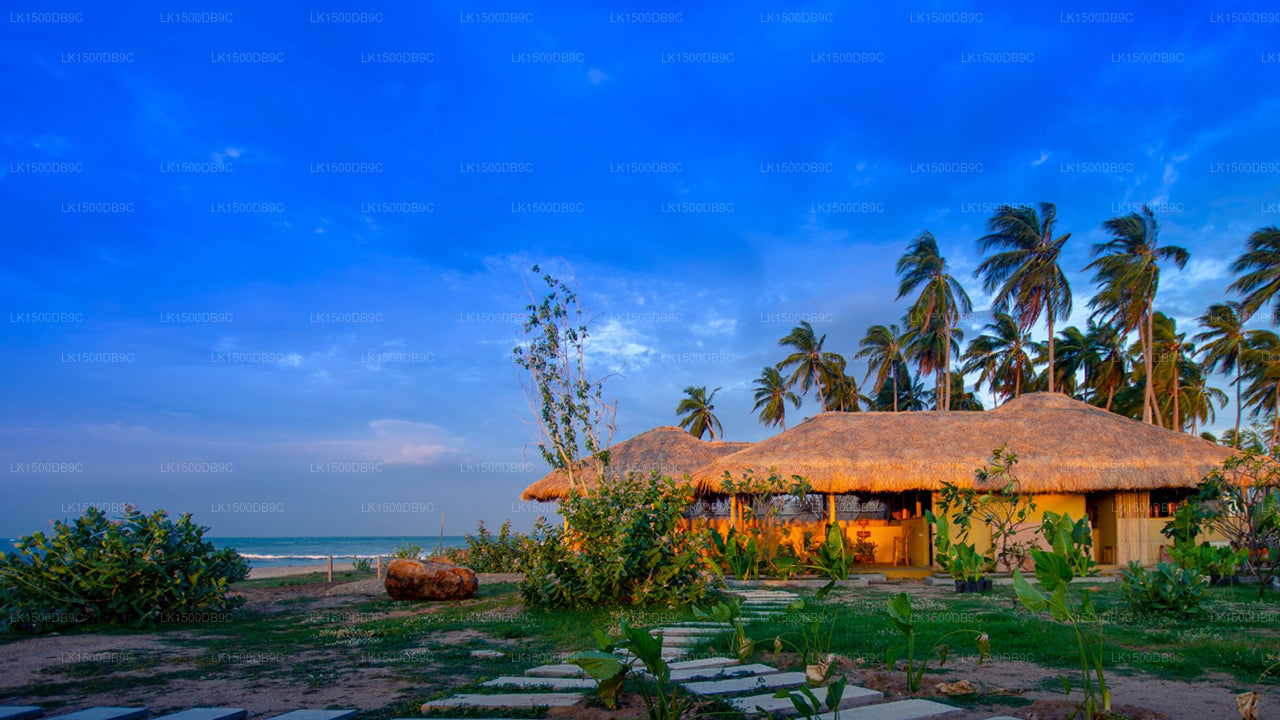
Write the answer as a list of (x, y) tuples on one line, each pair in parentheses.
[(748, 687), (30, 712)]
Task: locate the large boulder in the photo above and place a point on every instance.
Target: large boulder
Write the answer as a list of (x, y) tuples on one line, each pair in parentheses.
[(429, 580)]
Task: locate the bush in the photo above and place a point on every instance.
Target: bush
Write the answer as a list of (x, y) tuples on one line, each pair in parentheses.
[(1165, 589), (411, 551), (130, 571), (507, 553), (626, 543)]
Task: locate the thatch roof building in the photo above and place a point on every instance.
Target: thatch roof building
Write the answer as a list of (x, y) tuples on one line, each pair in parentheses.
[(1063, 446), (669, 450)]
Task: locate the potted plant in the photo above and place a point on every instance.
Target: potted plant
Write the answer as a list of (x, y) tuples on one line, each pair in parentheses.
[(864, 552), (961, 559)]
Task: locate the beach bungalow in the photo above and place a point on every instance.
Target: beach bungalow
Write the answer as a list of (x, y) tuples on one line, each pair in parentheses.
[(879, 471), (667, 449), (875, 474)]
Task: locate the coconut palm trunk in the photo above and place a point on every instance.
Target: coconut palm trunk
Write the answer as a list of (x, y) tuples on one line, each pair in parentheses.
[(1052, 367), (1235, 442), (1177, 390), (946, 362), (1148, 393)]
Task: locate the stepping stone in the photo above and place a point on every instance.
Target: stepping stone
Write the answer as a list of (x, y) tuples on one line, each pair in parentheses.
[(1004, 717), (854, 696), (702, 663), (557, 671), (543, 682), (913, 709), (106, 713), (703, 624), (671, 632), (733, 686), (487, 654), (711, 673), (19, 712), (317, 715), (683, 641), (206, 714), (521, 700)]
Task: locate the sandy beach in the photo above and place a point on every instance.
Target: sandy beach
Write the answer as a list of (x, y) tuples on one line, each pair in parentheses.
[(288, 570)]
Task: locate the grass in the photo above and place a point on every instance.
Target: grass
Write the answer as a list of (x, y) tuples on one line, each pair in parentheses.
[(309, 641)]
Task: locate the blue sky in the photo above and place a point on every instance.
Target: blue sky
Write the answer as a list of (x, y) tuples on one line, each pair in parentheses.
[(364, 318)]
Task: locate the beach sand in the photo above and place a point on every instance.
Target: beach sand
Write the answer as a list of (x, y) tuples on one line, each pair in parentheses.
[(288, 570)]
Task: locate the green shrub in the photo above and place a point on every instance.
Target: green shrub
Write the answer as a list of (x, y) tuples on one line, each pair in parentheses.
[(508, 552), (1165, 589), (625, 543), (411, 551), (134, 571)]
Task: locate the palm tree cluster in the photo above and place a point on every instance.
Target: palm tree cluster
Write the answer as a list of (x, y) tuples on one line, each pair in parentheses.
[(1130, 359)]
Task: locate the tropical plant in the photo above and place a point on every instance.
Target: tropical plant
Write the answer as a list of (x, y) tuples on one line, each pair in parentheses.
[(573, 420), (1127, 271), (1110, 373), (812, 365), (842, 391), (884, 348), (132, 571), (959, 558), (807, 704), (900, 614), (412, 551), (507, 552), (1001, 357), (1241, 500), (930, 351), (1165, 589), (1024, 273), (941, 301), (1262, 370), (830, 557), (962, 399), (812, 641), (624, 542), (1070, 540), (997, 501), (728, 611), (863, 552), (772, 396), (1259, 269), (698, 414), (362, 564), (663, 699), (1054, 571), (740, 552), (1224, 344)]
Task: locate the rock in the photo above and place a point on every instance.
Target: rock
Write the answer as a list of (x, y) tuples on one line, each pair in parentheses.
[(429, 580)]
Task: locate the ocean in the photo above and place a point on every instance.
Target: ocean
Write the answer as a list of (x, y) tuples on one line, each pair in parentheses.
[(264, 552)]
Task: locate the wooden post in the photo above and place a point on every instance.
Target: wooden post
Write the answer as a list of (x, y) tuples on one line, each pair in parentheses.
[(330, 568), (378, 571), (831, 508)]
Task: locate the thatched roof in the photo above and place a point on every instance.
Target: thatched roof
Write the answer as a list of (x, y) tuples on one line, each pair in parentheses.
[(1063, 446), (669, 450)]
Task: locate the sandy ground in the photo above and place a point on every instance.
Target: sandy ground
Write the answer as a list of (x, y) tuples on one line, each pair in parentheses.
[(288, 570)]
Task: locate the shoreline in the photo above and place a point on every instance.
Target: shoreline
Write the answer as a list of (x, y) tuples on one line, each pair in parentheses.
[(279, 571)]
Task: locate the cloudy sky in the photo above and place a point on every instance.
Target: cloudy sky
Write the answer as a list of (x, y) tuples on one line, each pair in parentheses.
[(267, 264)]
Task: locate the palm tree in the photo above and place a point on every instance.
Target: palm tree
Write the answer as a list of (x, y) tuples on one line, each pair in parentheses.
[(1169, 349), (812, 365), (961, 399), (696, 409), (1110, 373), (1224, 344), (883, 347), (904, 394), (927, 347), (1002, 357), (942, 297), (1127, 271), (842, 391), (1024, 274), (772, 396), (1262, 362), (1199, 401), (1076, 352), (1261, 267)]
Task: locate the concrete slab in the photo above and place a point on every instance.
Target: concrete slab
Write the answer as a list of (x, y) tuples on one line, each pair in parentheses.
[(317, 715), (728, 671), (520, 700), (854, 696), (671, 632), (19, 712), (755, 683), (207, 714), (553, 683), (702, 663), (913, 709), (553, 671), (106, 713)]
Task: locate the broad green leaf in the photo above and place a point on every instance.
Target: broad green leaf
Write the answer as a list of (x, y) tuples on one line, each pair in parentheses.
[(1029, 596)]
